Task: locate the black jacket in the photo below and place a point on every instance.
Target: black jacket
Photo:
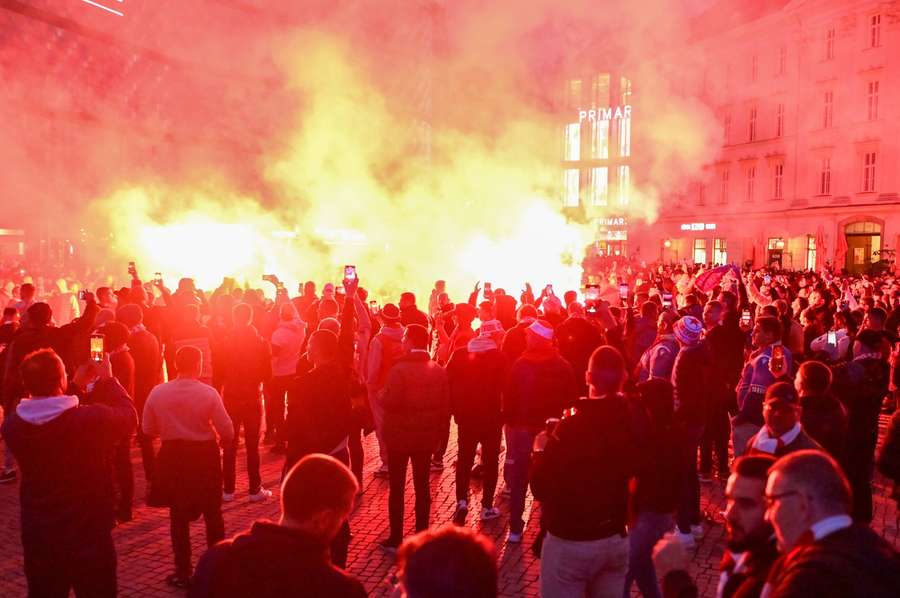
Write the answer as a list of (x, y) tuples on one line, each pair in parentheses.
[(692, 395), (476, 386), (271, 561), (66, 491), (540, 385), (416, 404), (247, 363), (583, 475), (824, 419), (319, 412), (577, 338), (852, 562)]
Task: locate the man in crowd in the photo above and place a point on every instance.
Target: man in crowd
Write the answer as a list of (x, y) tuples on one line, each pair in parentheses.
[(186, 414), (540, 385), (26, 300), (577, 339), (750, 548), (416, 403), (861, 385), (582, 482), (824, 552), (144, 349), (514, 342), (755, 380), (410, 313), (8, 328), (287, 343), (822, 416), (476, 374), (288, 558), (447, 563), (247, 366), (658, 360), (385, 350), (66, 498), (782, 433)]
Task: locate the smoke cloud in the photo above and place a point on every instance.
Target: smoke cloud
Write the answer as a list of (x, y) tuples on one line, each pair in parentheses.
[(417, 140)]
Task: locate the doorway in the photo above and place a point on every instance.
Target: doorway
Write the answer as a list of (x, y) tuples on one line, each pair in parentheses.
[(863, 240)]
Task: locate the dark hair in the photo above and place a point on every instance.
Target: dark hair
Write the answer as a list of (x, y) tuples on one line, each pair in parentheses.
[(188, 358), (447, 563), (753, 466), (527, 311), (242, 314), (417, 335), (878, 313), (870, 339), (771, 326), (607, 369), (325, 342), (408, 296), (815, 377), (39, 313), (315, 484), (658, 396), (9, 311), (328, 308), (782, 391), (115, 335), (649, 310), (43, 373)]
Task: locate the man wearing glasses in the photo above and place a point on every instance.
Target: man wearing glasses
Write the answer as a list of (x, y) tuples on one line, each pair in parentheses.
[(782, 433), (824, 552)]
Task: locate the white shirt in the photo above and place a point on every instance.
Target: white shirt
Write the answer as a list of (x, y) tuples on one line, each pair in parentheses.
[(767, 444), (829, 525)]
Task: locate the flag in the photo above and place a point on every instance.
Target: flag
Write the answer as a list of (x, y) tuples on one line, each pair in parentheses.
[(709, 279)]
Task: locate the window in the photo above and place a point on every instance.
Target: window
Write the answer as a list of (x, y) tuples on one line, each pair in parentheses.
[(726, 125), (624, 185), (828, 110), (751, 182), (872, 103), (625, 136), (720, 252), (829, 43), (810, 252), (869, 172), (573, 141), (782, 60), (778, 188), (625, 91), (573, 94), (723, 187), (600, 90), (600, 186), (570, 185), (753, 124), (779, 120), (825, 177), (600, 140), (701, 195), (699, 251), (754, 68), (874, 31)]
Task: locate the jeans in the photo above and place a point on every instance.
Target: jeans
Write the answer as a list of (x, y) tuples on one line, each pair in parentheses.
[(443, 441), (357, 454), (378, 418), (276, 391), (148, 455), (180, 529), (421, 463), (715, 438), (741, 433), (595, 568), (124, 476), (340, 546), (519, 440), (689, 494), (647, 530), (250, 415), (470, 436), (89, 569)]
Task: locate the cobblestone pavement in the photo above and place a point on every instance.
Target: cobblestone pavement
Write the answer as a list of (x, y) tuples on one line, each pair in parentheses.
[(145, 554)]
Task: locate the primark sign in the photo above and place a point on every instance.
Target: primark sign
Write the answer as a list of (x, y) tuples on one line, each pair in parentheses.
[(599, 114)]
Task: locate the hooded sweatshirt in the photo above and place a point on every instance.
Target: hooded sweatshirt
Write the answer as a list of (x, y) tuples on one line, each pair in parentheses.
[(288, 336)]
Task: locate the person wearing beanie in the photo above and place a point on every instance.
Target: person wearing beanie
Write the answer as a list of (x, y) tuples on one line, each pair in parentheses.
[(690, 370), (384, 351), (476, 374), (541, 385)]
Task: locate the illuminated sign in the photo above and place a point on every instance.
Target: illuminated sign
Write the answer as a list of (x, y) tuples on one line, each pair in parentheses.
[(612, 221), (699, 226), (610, 113)]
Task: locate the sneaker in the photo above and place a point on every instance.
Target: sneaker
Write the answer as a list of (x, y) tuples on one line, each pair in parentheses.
[(8, 476), (381, 472), (477, 471), (488, 514), (389, 545), (462, 510), (514, 537), (177, 581), (698, 530), (437, 466), (227, 496), (261, 495), (705, 478)]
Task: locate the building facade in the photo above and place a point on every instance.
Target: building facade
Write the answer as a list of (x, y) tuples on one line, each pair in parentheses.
[(806, 93)]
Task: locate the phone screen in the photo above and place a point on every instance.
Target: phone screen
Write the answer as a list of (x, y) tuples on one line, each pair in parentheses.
[(667, 300), (349, 272), (832, 337), (745, 317), (623, 290), (592, 292), (97, 347), (778, 355)]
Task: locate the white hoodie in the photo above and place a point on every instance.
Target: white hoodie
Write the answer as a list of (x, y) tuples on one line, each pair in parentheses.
[(39, 411), (289, 337)]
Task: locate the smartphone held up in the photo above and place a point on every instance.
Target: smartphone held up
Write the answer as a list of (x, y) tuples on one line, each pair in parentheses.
[(96, 348)]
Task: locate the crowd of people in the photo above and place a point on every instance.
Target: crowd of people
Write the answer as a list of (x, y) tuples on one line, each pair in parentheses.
[(613, 405)]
